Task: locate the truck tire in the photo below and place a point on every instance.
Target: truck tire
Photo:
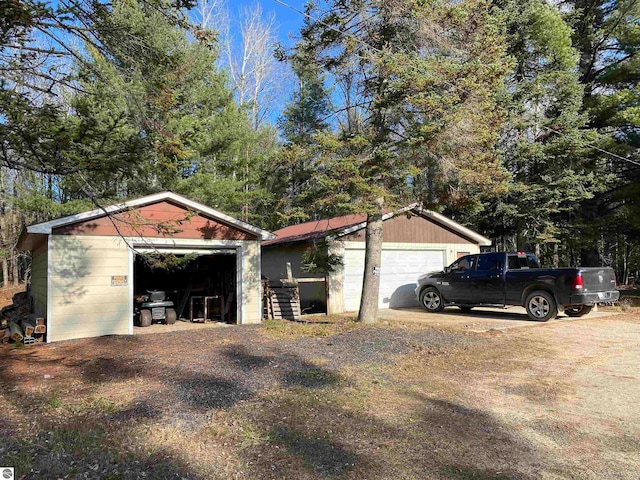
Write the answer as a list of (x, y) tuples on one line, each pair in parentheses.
[(170, 316), (578, 311), (541, 306), (431, 299), (145, 318)]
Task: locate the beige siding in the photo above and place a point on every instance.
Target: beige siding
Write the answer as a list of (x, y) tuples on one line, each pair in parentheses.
[(451, 249), (336, 280), (83, 302), (39, 267), (251, 295)]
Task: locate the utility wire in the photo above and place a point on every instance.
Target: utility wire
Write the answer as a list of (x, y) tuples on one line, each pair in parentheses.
[(362, 42), (614, 155)]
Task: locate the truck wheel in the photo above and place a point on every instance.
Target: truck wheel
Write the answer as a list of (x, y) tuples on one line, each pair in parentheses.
[(432, 300), (541, 306), (578, 311), (145, 318), (170, 316)]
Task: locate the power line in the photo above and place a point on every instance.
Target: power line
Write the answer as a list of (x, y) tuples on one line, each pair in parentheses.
[(614, 155)]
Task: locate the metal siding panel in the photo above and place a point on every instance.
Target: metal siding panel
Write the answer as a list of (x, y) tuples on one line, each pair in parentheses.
[(144, 221), (353, 275), (82, 302)]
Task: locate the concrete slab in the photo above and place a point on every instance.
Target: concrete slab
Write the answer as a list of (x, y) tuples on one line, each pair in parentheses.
[(179, 326)]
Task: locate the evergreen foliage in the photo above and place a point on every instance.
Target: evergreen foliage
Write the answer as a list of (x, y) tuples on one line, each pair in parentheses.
[(545, 139)]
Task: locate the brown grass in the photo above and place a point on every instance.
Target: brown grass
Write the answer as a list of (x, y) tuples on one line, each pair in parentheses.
[(311, 326), (490, 409)]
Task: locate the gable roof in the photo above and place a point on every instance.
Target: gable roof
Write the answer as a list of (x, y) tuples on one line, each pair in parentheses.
[(344, 225), (46, 228)]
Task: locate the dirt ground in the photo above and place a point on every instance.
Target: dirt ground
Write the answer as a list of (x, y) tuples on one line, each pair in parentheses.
[(483, 395)]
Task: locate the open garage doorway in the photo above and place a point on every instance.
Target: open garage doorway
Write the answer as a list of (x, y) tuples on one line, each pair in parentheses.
[(199, 286)]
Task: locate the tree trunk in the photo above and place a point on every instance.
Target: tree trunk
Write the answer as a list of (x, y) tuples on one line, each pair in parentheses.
[(15, 260), (372, 257), (4, 251), (5, 272)]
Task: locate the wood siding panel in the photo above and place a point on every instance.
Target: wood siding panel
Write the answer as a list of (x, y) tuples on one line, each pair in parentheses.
[(83, 302), (39, 269), (159, 220), (415, 229)]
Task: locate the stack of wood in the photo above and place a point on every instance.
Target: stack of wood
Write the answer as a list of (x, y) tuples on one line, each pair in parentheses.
[(284, 300), (18, 325)]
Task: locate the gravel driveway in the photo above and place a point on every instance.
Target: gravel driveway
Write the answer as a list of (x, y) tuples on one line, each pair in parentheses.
[(415, 397)]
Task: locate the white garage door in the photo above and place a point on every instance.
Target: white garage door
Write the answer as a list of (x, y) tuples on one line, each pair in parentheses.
[(398, 274)]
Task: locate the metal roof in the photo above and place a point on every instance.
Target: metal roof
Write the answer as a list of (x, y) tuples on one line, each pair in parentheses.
[(340, 226)]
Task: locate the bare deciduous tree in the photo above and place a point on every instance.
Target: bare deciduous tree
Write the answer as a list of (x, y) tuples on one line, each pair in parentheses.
[(247, 55)]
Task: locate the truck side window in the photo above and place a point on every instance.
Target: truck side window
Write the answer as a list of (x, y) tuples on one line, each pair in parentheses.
[(489, 262), (532, 261), (514, 262), (465, 263)]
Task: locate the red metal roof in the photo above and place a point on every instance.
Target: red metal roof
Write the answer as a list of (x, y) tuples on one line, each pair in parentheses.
[(315, 229)]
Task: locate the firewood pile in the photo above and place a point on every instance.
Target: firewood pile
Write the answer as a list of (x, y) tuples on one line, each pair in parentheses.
[(19, 325)]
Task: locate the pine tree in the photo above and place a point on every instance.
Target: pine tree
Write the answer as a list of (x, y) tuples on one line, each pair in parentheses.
[(545, 140), (303, 119), (607, 36), (417, 85)]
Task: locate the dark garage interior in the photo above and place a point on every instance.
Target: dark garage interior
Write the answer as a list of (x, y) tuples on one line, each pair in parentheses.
[(190, 282)]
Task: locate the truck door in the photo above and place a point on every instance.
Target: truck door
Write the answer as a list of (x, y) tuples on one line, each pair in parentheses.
[(455, 284), (486, 282)]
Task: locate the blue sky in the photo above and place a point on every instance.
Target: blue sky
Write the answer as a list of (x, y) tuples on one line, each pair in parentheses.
[(288, 21)]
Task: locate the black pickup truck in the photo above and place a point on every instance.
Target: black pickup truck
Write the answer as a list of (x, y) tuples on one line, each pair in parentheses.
[(501, 279)]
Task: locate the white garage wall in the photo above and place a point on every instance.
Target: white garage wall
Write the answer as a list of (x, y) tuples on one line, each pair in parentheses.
[(400, 267)]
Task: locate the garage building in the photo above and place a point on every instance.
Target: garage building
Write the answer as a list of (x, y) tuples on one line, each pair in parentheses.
[(415, 241), (87, 268)]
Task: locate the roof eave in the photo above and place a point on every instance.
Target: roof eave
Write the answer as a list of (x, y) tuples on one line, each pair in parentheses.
[(464, 231)]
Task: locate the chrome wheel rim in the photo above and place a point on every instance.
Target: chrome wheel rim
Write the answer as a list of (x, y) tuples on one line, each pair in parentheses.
[(431, 300), (539, 306)]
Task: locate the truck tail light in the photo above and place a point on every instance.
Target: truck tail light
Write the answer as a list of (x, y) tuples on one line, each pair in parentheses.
[(578, 283)]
